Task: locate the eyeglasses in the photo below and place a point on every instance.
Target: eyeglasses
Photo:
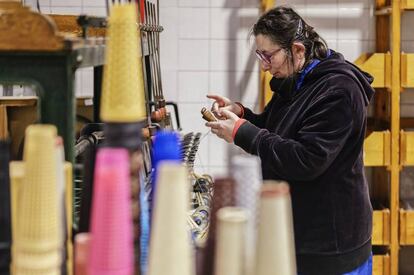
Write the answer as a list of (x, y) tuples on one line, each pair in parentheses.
[(266, 58)]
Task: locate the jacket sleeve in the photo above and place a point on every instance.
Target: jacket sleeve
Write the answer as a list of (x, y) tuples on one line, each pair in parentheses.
[(258, 120), (321, 136)]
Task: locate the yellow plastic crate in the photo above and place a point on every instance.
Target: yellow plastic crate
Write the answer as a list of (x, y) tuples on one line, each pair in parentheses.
[(381, 227), (407, 4), (378, 65), (377, 149), (406, 227), (381, 264), (407, 70)]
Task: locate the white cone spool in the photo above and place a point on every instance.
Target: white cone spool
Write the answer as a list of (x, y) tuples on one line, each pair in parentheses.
[(170, 251), (276, 246), (230, 241)]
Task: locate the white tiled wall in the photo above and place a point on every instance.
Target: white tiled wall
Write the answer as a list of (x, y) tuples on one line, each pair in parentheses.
[(205, 48)]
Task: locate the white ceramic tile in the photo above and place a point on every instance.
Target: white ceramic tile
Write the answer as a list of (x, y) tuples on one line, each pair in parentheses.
[(226, 3), (248, 17), (250, 4), (219, 151), (354, 4), (225, 84), (192, 87), (42, 3), (332, 44), (169, 85), (372, 24), (193, 23), (247, 57), (169, 38), (94, 3), (43, 9), (66, 3), (290, 2), (223, 55), (352, 49), (190, 117), (353, 23), (323, 20), (94, 11), (407, 97), (66, 10), (225, 23), (249, 90), (169, 20), (193, 3), (407, 23), (321, 3), (231, 55), (407, 110), (168, 3), (407, 46), (193, 55)]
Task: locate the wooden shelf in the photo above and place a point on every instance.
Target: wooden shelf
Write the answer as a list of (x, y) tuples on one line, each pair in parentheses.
[(378, 65), (406, 227), (381, 264), (377, 149), (407, 70), (381, 227), (407, 4)]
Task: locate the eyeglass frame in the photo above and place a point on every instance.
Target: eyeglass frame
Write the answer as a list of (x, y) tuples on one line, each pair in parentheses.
[(266, 58)]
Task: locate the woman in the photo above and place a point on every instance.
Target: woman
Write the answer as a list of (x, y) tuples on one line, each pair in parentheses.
[(311, 135)]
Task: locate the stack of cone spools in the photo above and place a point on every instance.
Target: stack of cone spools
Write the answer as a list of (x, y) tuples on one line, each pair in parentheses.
[(38, 235)]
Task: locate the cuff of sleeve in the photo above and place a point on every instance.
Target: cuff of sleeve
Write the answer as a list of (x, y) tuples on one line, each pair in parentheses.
[(237, 126), (242, 109), (246, 137)]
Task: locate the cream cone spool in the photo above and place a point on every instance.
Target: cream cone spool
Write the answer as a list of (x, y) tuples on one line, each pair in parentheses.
[(230, 241), (170, 251), (38, 239), (123, 98), (275, 246)]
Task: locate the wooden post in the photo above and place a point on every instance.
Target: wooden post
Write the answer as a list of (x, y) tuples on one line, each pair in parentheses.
[(395, 132), (265, 92)]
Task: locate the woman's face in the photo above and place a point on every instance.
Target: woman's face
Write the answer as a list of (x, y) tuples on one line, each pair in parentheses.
[(275, 59)]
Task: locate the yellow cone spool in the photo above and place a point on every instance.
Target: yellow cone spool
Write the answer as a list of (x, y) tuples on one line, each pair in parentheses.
[(123, 97), (38, 240)]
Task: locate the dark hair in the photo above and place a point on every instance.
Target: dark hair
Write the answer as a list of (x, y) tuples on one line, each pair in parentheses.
[(284, 26)]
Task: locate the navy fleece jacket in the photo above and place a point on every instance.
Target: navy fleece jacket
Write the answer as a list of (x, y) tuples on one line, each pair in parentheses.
[(313, 139)]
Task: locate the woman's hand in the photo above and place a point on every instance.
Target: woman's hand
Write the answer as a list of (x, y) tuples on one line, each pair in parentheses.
[(224, 128), (223, 103)]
